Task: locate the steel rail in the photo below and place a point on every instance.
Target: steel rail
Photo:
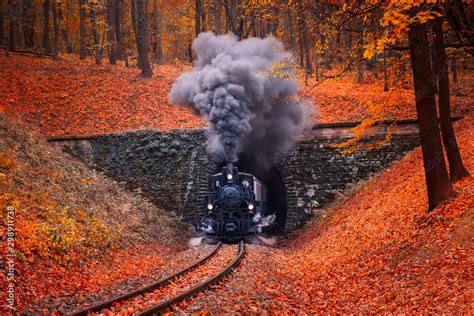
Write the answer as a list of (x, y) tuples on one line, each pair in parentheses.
[(158, 284), (161, 307)]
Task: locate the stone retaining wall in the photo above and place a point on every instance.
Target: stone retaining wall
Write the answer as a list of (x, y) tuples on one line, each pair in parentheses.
[(171, 168)]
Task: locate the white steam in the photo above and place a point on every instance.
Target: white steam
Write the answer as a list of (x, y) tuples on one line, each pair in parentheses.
[(263, 221)]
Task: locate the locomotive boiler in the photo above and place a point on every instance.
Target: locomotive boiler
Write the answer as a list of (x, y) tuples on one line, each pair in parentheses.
[(233, 201)]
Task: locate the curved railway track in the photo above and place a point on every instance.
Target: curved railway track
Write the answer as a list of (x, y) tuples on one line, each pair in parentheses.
[(163, 305)]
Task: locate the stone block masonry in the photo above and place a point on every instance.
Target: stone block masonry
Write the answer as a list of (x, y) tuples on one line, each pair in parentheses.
[(171, 168)]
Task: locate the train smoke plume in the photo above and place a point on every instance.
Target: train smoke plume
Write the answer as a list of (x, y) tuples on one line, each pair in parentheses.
[(250, 109)]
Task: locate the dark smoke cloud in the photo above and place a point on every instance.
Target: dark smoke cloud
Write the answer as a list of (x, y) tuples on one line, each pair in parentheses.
[(250, 110)]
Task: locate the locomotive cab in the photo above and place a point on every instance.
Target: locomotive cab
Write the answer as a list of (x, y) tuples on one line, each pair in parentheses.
[(233, 200)]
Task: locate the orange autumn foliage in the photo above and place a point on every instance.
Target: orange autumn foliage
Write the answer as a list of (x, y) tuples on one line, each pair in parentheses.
[(74, 97), (379, 250)]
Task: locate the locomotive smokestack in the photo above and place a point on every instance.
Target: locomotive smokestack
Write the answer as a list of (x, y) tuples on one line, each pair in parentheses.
[(230, 170)]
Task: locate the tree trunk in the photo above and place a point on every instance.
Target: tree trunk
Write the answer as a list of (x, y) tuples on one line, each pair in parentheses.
[(82, 29), (64, 31), (209, 15), (301, 49), (142, 43), (46, 9), (118, 28), (157, 47), (56, 29), (360, 62), (95, 34), (435, 70), (18, 17), (454, 69), (133, 13), (438, 185), (218, 16), (197, 18), (456, 166), (349, 44), (67, 41), (385, 72), (190, 52), (203, 16), (461, 23), (29, 18), (290, 28), (233, 15), (11, 26), (110, 6), (316, 63), (273, 24), (2, 21), (308, 66)]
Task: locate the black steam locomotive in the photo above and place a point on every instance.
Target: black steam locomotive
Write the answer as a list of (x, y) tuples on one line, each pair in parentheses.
[(234, 199)]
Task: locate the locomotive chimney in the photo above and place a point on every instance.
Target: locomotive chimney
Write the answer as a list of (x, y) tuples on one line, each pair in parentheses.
[(230, 171)]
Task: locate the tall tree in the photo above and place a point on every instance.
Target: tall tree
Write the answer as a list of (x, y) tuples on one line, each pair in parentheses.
[(316, 63), (197, 17), (454, 68), (434, 82), (304, 46), (55, 9), (19, 22), (360, 62), (110, 7), (203, 16), (437, 182), (385, 71), (11, 26), (209, 15), (118, 28), (46, 9), (461, 23), (82, 28), (232, 15), (95, 33), (133, 14), (456, 166), (29, 18), (218, 16), (64, 31), (2, 21), (142, 44), (157, 41)]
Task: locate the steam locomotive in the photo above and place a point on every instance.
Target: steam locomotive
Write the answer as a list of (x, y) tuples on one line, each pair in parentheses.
[(233, 204)]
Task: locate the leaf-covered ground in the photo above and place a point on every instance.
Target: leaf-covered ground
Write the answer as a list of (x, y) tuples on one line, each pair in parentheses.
[(75, 229), (76, 97), (376, 251)]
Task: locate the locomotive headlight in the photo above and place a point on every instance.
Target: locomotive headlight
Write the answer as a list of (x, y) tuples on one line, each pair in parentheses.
[(251, 206), (209, 206), (229, 176)]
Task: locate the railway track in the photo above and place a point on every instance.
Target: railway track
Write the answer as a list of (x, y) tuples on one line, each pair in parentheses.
[(161, 295)]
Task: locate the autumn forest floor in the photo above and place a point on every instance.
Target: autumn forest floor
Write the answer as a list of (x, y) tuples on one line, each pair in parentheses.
[(74, 97), (375, 250)]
